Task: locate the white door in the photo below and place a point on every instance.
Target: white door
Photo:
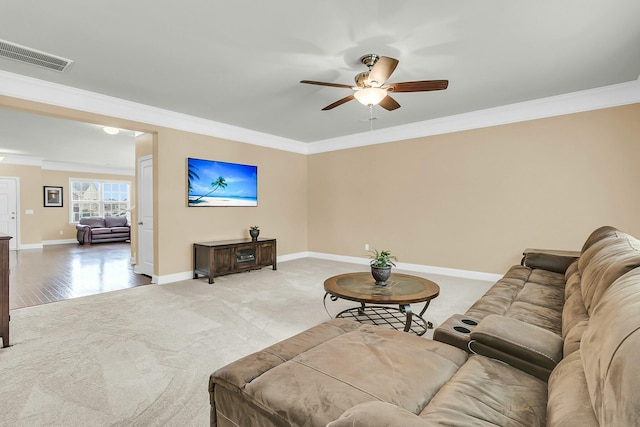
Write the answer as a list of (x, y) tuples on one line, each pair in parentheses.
[(9, 210), (145, 216)]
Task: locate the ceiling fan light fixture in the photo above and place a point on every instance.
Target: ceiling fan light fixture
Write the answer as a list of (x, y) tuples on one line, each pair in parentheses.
[(370, 96)]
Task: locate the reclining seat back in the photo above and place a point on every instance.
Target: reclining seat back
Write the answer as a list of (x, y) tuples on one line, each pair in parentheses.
[(597, 385), (600, 264), (610, 348), (603, 263), (599, 234)]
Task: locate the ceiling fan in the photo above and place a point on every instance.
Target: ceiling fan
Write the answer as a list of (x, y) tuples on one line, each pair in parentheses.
[(371, 89)]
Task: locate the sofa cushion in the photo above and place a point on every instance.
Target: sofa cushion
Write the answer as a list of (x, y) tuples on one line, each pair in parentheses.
[(120, 229), (574, 313), (531, 295), (573, 338), (96, 231), (501, 295), (569, 403), (547, 278), (609, 348), (542, 295), (549, 318), (115, 221), (488, 392), (571, 271), (93, 222), (386, 415), (316, 385)]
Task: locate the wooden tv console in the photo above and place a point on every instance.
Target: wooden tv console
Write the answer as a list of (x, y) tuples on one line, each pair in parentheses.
[(232, 256)]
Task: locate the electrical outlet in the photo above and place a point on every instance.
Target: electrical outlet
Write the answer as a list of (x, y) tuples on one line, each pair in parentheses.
[(366, 246), (61, 232)]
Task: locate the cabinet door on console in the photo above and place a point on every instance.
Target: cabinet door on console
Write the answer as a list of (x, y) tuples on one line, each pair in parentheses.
[(224, 260), (265, 253)]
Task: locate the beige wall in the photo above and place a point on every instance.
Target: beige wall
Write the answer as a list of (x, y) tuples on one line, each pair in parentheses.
[(474, 200), (468, 200), (282, 189), (30, 198), (282, 198), (46, 223), (56, 219)]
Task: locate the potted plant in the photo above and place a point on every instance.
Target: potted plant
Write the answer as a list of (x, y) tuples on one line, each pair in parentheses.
[(381, 263), (254, 232)]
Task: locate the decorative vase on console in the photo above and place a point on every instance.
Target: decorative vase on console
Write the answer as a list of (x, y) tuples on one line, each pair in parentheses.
[(254, 232), (381, 263)]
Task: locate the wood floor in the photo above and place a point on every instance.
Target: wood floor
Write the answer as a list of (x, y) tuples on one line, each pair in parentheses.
[(59, 272)]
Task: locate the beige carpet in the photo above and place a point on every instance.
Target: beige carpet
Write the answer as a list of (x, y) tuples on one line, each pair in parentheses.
[(142, 356)]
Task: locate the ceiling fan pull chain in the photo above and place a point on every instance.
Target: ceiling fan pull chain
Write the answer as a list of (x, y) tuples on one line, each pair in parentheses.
[(371, 118)]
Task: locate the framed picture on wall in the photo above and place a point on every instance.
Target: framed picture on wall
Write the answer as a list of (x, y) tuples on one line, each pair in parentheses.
[(52, 197)]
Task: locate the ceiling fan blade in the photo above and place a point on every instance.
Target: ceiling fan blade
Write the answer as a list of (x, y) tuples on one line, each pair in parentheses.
[(311, 82), (382, 69), (389, 104), (338, 102), (419, 86)]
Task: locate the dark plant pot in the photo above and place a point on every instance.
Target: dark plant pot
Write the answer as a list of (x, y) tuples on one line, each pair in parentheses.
[(254, 234), (381, 274)]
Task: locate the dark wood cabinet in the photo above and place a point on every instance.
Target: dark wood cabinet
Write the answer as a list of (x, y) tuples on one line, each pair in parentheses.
[(266, 253), (4, 289), (232, 256)]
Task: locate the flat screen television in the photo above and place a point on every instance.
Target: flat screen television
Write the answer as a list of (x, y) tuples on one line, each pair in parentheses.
[(212, 183)]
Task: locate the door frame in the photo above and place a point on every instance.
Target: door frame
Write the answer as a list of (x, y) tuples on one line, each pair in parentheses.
[(16, 239)]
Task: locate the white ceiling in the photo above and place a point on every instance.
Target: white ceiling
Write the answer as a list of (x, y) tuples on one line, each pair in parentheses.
[(239, 63), (30, 137)]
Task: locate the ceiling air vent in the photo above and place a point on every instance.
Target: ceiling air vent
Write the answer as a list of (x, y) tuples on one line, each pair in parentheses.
[(31, 56)]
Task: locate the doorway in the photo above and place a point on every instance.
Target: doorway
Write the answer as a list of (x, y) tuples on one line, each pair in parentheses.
[(9, 209)]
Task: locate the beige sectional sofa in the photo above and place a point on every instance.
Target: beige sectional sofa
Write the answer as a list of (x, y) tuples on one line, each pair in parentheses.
[(553, 346)]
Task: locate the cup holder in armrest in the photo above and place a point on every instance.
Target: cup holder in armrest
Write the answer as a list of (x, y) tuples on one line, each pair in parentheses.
[(456, 331)]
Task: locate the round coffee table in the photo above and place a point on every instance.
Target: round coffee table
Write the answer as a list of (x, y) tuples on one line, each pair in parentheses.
[(401, 289)]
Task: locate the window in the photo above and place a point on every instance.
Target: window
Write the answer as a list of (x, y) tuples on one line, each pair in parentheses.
[(98, 198)]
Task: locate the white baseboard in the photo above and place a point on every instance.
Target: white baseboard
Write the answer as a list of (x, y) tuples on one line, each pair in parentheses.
[(170, 278), (188, 275), (30, 246), (443, 271), (59, 242), (291, 257)]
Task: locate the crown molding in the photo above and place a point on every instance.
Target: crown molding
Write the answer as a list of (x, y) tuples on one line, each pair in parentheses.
[(575, 102), (77, 167), (15, 159), (28, 88)]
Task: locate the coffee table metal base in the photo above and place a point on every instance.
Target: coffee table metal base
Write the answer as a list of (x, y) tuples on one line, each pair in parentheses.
[(401, 318)]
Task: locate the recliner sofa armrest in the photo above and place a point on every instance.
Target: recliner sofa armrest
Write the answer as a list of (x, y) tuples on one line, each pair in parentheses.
[(550, 260), (380, 414), (83, 233), (527, 347)]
